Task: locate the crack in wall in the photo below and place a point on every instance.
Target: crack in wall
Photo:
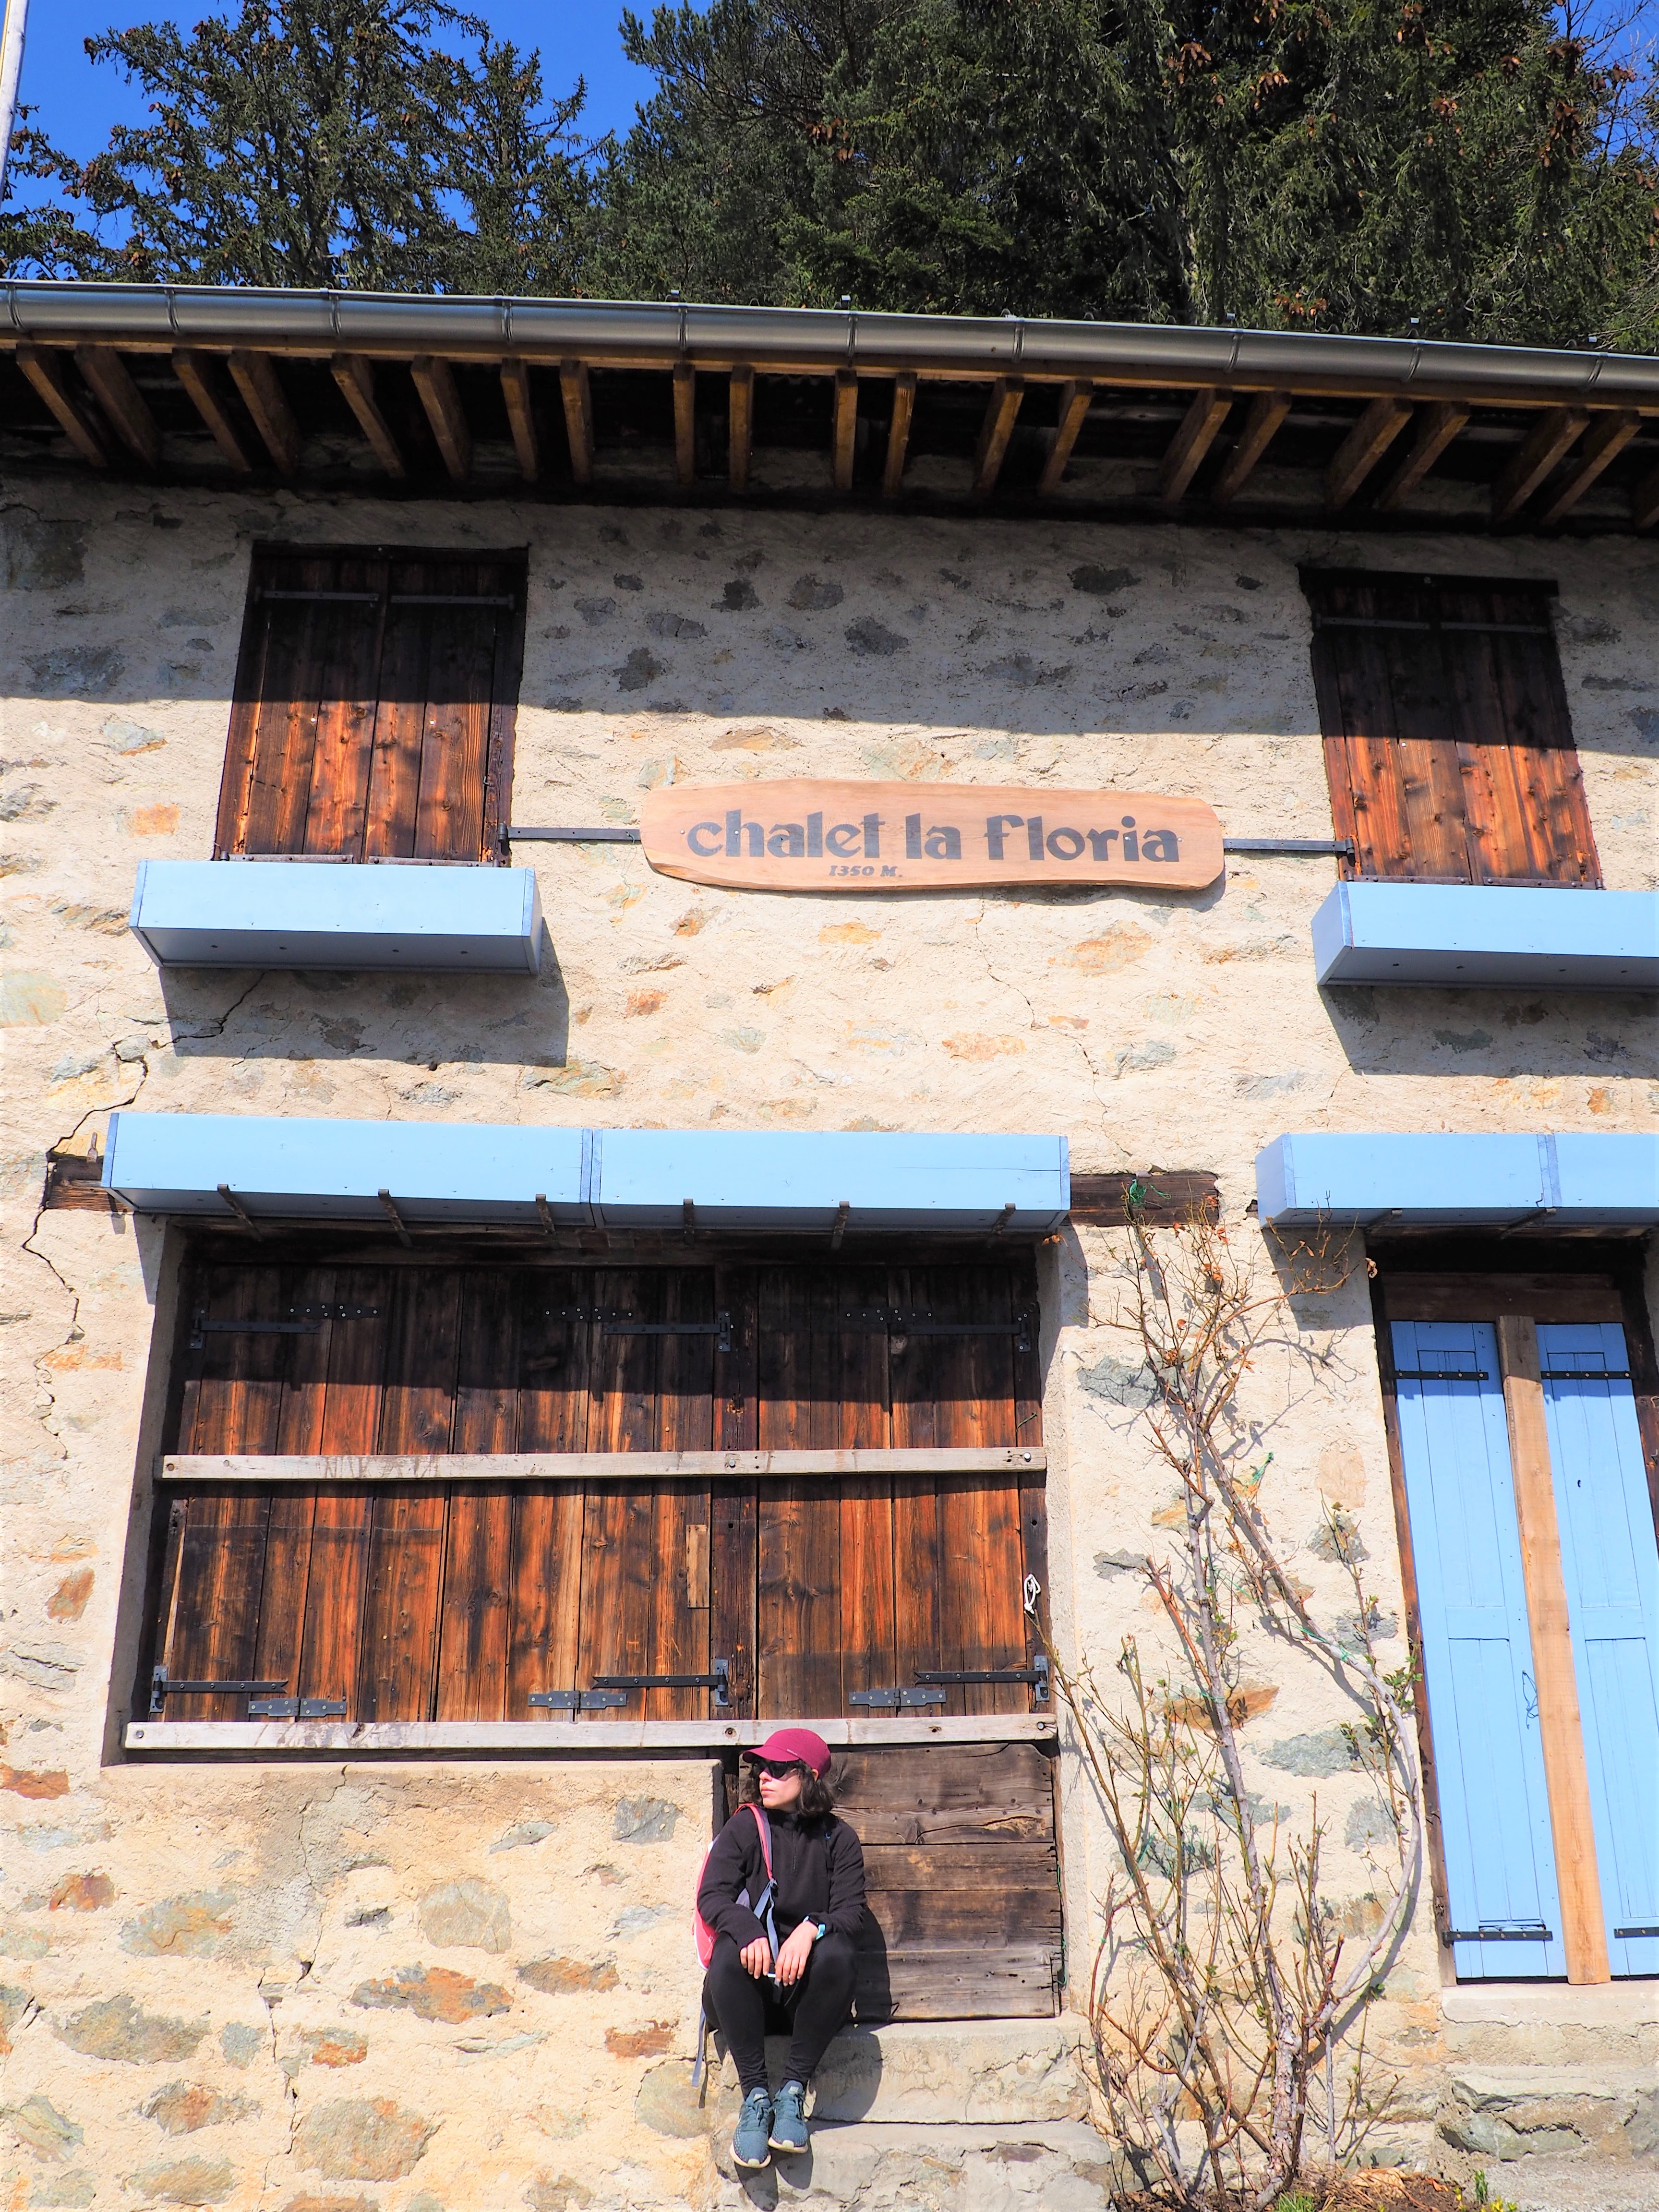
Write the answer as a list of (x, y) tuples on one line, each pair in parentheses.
[(1068, 1037)]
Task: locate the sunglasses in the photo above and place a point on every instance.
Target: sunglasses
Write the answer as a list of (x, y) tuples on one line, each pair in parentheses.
[(778, 1769)]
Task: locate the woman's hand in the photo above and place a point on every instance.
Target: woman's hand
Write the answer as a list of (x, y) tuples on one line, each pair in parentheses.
[(757, 1957), (794, 1952)]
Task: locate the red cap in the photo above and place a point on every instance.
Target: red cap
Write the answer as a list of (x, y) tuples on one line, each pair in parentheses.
[(795, 1743)]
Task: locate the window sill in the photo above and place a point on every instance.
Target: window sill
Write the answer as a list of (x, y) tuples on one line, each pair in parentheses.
[(1552, 2004), (1459, 936), (553, 1738)]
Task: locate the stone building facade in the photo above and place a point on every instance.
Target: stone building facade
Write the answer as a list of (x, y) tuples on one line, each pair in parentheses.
[(437, 1959)]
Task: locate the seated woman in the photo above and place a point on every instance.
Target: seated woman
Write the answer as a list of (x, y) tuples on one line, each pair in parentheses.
[(817, 1911)]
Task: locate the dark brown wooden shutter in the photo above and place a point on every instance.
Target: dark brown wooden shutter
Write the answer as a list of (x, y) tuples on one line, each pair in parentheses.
[(1447, 743), (375, 705), (455, 1601)]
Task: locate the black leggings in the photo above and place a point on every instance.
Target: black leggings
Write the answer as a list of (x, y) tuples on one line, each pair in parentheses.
[(810, 2013)]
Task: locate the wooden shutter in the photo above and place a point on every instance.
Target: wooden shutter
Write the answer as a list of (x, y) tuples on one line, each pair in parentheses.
[(437, 1599), (1610, 1568), (375, 705), (1448, 746), (1477, 1651)]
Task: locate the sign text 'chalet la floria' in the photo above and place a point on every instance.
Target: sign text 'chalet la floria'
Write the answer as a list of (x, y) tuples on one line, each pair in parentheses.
[(797, 834)]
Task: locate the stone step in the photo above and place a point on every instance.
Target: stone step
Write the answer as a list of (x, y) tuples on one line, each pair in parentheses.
[(1060, 2165), (975, 2072), (1512, 2113)]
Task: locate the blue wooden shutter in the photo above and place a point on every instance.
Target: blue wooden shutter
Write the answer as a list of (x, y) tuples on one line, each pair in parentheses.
[(1610, 1564), (1477, 1652)]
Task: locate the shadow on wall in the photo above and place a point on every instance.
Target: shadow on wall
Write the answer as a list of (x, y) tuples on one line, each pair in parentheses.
[(324, 1015), (1585, 1035)]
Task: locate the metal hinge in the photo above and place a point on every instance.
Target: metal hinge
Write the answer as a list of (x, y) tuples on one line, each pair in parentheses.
[(1440, 1374), (296, 1708), (719, 1680), (1501, 1931), (888, 1321), (161, 1689), (1636, 1932), (576, 1701), (895, 1700), (307, 1322), (1036, 1673), (1587, 1374)]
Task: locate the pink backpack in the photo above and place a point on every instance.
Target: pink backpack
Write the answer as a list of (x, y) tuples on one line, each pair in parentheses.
[(762, 1906)]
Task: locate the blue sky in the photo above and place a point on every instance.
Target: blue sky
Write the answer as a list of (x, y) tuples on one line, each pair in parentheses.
[(76, 104)]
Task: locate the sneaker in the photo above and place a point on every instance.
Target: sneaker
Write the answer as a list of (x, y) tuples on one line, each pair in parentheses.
[(789, 2117), (751, 2146)]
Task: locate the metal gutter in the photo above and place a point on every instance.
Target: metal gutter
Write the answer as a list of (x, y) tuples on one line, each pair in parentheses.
[(155, 317)]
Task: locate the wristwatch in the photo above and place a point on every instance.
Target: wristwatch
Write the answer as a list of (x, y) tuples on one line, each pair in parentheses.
[(820, 1930)]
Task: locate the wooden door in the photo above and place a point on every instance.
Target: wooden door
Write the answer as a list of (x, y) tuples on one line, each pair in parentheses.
[(1610, 1569), (1477, 1652)]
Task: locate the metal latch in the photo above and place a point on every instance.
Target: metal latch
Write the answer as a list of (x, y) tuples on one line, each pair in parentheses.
[(897, 1700), (161, 1689), (1036, 1673), (719, 1681), (296, 1708), (877, 1320), (622, 1324), (1501, 1931), (576, 1701)]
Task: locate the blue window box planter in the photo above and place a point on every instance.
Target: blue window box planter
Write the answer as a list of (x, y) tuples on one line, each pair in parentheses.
[(327, 914), (289, 1168), (762, 1179), (1369, 1182), (1488, 933)]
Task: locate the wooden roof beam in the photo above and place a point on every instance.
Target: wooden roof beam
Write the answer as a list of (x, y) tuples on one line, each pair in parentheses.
[(435, 382), (740, 426), (1076, 398), (1001, 412), (124, 406), (1436, 426), (1644, 502), (198, 372), (685, 425), (1535, 458), (578, 418), (846, 427), (521, 418), (254, 375), (1203, 418), (898, 433), (355, 375), (1606, 438), (44, 367), (1363, 449), (1267, 411)]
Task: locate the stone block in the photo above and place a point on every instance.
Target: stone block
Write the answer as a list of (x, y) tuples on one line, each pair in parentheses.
[(120, 2028), (432, 1993), (990, 2071), (187, 2181), (362, 2139)]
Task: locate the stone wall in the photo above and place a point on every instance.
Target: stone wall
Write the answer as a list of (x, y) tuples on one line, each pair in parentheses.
[(436, 1989)]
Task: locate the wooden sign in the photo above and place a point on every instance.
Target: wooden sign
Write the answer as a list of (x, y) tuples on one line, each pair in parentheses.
[(798, 835)]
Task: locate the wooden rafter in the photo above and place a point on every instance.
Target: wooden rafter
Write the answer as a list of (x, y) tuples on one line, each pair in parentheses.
[(740, 426), (254, 375), (1001, 411), (1363, 449), (898, 433), (578, 418), (123, 404), (1076, 397), (1266, 412), (1644, 502), (1436, 426), (685, 425), (1203, 418), (1535, 458), (1606, 437), (847, 427), (198, 372), (435, 380), (355, 375), (44, 367), (521, 418)]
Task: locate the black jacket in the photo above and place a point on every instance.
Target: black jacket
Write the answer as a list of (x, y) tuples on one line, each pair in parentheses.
[(818, 1866)]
